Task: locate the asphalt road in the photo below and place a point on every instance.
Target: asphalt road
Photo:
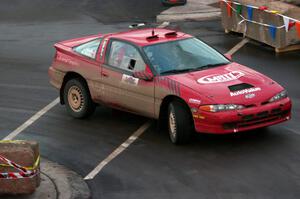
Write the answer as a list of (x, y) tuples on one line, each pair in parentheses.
[(257, 164)]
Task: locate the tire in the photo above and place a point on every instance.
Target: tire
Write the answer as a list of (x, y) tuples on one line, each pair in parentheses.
[(180, 124), (77, 98)]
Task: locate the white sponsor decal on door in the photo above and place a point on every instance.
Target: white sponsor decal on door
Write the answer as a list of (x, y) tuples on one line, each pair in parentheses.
[(245, 91), (130, 80), (210, 79)]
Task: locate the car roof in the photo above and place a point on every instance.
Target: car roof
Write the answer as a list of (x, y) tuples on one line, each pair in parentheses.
[(142, 37)]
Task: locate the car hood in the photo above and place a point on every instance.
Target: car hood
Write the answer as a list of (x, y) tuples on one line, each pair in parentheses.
[(215, 83)]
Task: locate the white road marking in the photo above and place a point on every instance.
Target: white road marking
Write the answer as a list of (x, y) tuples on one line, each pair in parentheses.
[(238, 46), (118, 150), (164, 24), (292, 130), (31, 120)]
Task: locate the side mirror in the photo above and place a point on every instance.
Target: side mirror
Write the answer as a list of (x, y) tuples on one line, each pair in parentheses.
[(144, 75), (228, 56)]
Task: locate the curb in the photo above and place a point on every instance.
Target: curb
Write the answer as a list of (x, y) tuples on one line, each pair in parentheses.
[(188, 17), (194, 10), (69, 185)]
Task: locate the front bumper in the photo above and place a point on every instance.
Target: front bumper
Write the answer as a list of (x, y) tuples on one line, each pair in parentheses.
[(243, 120)]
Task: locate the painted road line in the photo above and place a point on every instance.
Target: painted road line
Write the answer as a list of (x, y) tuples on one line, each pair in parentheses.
[(238, 46), (119, 150), (31, 120), (164, 24)]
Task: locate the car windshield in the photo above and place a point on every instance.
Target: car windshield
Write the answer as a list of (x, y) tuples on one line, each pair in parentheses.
[(183, 56)]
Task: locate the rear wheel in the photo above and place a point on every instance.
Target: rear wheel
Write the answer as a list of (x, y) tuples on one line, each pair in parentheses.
[(78, 100), (180, 123)]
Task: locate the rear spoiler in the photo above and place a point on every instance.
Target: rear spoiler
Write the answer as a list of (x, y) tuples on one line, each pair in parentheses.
[(77, 41)]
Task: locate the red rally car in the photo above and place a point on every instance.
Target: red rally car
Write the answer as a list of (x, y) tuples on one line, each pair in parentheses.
[(166, 75)]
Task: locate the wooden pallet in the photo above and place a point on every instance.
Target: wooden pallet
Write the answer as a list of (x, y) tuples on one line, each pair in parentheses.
[(277, 50), (288, 48)]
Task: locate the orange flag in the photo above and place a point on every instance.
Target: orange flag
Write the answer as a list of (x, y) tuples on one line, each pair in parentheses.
[(298, 28)]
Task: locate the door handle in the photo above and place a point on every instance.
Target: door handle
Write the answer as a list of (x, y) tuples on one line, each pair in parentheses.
[(104, 74)]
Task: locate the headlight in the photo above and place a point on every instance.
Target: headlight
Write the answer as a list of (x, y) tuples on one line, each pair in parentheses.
[(221, 107), (279, 96)]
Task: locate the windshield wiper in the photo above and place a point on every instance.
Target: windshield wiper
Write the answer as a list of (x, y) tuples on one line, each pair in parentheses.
[(193, 69), (211, 66), (177, 71)]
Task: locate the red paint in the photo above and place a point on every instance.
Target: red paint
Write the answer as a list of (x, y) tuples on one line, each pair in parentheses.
[(229, 8), (298, 28), (263, 8), (291, 24)]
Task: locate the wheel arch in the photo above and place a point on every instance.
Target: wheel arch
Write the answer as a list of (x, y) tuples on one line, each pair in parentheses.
[(68, 76), (165, 103)]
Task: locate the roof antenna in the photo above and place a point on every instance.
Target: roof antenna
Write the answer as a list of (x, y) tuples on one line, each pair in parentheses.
[(153, 33)]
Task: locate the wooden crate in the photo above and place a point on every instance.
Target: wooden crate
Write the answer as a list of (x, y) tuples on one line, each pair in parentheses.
[(284, 41)]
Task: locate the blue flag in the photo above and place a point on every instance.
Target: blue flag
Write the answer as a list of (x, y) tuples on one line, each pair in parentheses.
[(273, 30), (250, 12)]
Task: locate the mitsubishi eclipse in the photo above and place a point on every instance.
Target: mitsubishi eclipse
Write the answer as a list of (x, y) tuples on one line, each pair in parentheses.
[(166, 75)]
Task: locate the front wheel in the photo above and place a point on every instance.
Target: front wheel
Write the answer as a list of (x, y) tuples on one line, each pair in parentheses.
[(78, 100), (180, 123)]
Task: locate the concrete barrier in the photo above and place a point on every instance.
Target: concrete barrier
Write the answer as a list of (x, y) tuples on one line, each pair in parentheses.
[(24, 154), (194, 10)]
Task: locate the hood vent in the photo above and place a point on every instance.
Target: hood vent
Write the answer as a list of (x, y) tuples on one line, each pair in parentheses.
[(171, 34), (238, 87)]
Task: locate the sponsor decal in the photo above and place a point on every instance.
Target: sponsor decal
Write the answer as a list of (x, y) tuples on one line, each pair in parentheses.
[(66, 60), (245, 91), (171, 85), (103, 48), (210, 79), (130, 80), (194, 101), (249, 96)]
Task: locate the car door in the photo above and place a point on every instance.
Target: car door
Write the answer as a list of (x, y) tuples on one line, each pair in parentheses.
[(120, 88)]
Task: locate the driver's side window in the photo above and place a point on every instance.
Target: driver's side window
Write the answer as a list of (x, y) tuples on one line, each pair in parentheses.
[(126, 57)]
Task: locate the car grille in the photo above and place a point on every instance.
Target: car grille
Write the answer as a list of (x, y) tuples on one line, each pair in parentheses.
[(258, 118)]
